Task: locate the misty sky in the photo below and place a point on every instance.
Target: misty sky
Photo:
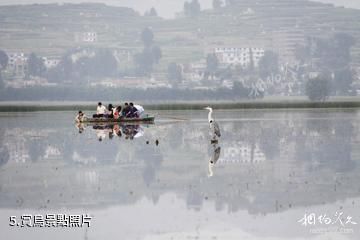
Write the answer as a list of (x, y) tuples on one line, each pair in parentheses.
[(165, 8)]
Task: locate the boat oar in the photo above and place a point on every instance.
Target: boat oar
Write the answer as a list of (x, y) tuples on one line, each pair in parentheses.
[(174, 118)]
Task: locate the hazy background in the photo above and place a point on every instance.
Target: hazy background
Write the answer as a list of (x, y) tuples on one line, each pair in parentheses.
[(165, 8), (179, 50)]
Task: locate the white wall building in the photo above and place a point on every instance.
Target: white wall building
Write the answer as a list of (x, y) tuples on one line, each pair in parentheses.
[(50, 63), (88, 37), (239, 56), (17, 63)]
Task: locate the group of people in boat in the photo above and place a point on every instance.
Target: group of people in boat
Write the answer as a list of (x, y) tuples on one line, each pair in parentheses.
[(129, 110)]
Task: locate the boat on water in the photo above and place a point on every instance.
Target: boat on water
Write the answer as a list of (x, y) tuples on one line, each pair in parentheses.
[(145, 119)]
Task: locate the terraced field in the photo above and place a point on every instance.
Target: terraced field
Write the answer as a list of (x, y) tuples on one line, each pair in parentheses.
[(278, 25)]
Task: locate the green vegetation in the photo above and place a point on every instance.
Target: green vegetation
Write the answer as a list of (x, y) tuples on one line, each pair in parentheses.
[(318, 89), (332, 58), (150, 55), (151, 13), (212, 64), (174, 74), (217, 4), (192, 9), (268, 64), (89, 64), (4, 59), (36, 66)]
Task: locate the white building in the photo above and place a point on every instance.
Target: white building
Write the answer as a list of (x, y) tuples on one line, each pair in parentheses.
[(17, 63), (239, 56), (50, 63), (89, 37), (194, 72)]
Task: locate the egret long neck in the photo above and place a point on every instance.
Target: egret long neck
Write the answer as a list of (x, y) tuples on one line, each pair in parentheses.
[(210, 115)]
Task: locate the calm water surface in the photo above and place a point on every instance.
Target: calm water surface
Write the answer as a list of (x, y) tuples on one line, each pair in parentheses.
[(273, 168)]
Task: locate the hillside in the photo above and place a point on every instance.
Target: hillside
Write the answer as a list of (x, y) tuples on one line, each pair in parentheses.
[(51, 29)]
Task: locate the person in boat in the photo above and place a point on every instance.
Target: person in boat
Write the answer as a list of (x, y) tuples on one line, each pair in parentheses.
[(126, 110), (79, 117), (139, 110), (117, 112), (111, 110), (100, 111), (132, 111)]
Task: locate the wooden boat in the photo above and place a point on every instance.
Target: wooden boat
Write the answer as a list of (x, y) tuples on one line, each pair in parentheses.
[(146, 119)]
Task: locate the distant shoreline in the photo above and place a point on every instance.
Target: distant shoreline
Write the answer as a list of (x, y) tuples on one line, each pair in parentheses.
[(256, 104)]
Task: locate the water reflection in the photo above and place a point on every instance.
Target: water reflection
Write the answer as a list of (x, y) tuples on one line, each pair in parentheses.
[(214, 157), (110, 130), (270, 162)]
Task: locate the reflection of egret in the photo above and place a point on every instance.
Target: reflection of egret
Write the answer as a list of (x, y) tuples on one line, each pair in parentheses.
[(214, 158), (214, 126)]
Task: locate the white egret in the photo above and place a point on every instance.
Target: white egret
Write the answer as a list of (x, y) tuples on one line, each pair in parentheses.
[(214, 126)]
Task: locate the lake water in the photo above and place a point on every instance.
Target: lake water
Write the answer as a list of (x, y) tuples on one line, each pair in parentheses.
[(280, 174)]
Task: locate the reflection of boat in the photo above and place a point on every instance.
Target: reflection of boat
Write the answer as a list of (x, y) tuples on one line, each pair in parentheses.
[(129, 130), (146, 119)]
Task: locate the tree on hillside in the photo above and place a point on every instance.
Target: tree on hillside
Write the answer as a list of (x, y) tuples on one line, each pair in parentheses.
[(268, 64), (239, 90), (4, 59), (251, 66), (329, 55), (2, 84), (192, 9), (212, 64), (302, 53), (63, 71), (151, 13), (147, 37), (157, 54), (230, 2), (36, 66), (343, 80), (144, 62), (341, 43), (150, 55), (318, 89), (104, 63), (174, 73), (217, 4)]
